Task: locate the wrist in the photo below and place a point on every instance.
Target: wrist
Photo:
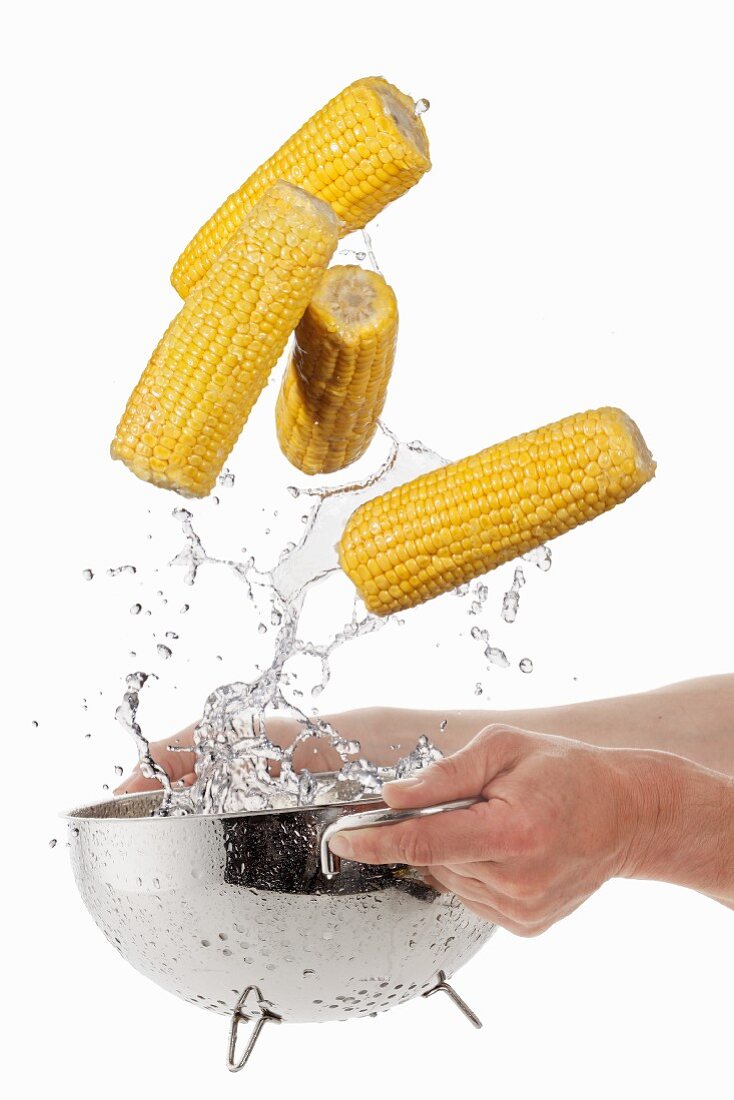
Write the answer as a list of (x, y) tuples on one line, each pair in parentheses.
[(676, 822), (650, 798)]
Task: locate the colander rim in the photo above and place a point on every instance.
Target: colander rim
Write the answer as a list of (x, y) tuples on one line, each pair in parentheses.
[(81, 813)]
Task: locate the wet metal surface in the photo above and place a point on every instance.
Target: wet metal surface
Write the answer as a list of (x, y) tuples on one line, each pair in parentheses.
[(208, 905)]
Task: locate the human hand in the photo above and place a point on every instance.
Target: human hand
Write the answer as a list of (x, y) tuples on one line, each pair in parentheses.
[(556, 820)]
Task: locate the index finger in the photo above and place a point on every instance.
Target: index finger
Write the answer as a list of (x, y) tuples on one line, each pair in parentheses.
[(457, 836)]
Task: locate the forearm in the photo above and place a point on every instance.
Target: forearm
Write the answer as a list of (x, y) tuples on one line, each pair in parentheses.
[(694, 719), (679, 820)]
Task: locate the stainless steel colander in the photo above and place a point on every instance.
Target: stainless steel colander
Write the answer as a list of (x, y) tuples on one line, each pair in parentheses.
[(250, 916)]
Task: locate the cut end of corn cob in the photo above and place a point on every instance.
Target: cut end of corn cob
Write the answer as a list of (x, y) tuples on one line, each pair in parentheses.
[(364, 149), (336, 382), (195, 395), (453, 524)]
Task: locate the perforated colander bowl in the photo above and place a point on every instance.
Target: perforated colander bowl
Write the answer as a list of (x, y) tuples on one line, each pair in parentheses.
[(241, 915)]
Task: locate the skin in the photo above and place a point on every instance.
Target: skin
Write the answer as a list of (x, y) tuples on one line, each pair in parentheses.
[(639, 787)]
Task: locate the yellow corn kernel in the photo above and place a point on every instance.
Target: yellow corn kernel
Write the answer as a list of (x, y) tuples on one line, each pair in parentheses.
[(193, 399), (335, 385), (365, 148), (457, 522)]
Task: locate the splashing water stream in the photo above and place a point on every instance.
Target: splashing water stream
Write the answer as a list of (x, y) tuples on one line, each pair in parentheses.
[(238, 767)]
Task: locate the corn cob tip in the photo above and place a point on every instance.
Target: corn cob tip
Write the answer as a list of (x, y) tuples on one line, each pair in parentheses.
[(460, 521), (644, 462), (352, 301), (402, 110)]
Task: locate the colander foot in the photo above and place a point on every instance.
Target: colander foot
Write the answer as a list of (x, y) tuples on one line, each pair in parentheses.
[(443, 986), (261, 1012)]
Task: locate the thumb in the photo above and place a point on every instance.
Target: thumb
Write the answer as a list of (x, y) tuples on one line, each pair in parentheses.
[(465, 774)]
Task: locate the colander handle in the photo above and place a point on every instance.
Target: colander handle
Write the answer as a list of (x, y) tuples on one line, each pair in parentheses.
[(331, 864)]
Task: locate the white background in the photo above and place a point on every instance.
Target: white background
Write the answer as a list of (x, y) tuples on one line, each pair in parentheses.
[(571, 247)]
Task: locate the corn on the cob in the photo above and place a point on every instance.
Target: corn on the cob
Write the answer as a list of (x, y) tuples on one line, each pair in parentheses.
[(196, 393), (335, 385), (455, 523), (365, 148)]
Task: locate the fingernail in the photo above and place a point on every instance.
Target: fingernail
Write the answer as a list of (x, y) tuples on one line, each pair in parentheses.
[(341, 846), (406, 784)]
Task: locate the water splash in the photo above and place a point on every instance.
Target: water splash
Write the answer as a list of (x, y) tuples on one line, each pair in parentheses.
[(238, 766), (126, 715)]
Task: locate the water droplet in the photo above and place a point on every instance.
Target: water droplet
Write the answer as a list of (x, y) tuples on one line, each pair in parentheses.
[(526, 665), (294, 492), (87, 736), (226, 478), (53, 842), (34, 723), (496, 656), (261, 628), (510, 603), (105, 786), (136, 609), (421, 106), (117, 570), (540, 557), (184, 608), (172, 634), (478, 689), (215, 500), (118, 769), (163, 651), (87, 574)]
